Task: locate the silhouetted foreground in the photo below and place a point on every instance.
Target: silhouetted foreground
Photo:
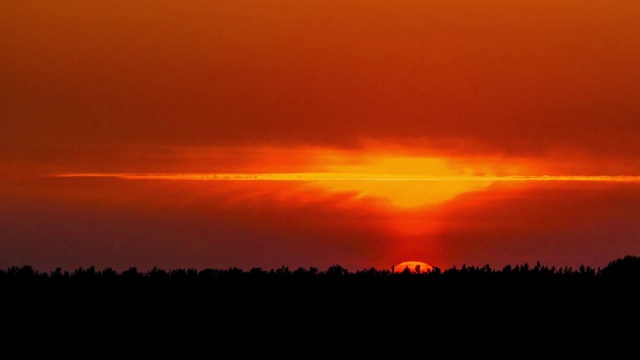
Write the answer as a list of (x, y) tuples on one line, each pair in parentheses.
[(518, 310)]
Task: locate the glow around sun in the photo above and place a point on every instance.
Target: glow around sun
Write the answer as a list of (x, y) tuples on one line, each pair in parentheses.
[(401, 181)]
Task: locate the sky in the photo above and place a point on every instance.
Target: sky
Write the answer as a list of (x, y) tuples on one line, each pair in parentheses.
[(306, 133)]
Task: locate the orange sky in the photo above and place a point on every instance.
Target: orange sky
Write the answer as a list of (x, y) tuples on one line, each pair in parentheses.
[(373, 132)]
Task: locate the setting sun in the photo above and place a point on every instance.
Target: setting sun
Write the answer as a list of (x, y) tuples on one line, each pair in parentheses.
[(413, 267)]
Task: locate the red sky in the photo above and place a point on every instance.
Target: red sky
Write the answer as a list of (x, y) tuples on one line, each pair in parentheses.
[(312, 133)]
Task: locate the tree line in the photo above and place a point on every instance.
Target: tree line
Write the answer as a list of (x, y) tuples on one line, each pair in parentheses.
[(628, 266), (520, 310)]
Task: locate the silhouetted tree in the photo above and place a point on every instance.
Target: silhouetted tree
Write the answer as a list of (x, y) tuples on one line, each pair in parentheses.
[(626, 267)]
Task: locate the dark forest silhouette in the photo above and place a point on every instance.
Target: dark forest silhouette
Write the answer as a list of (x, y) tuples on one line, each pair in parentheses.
[(518, 309)]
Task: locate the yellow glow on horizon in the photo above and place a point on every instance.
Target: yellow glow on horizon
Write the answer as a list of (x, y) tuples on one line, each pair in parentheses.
[(401, 179), (404, 191)]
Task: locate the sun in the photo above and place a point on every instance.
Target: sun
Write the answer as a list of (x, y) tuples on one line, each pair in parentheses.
[(413, 267)]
